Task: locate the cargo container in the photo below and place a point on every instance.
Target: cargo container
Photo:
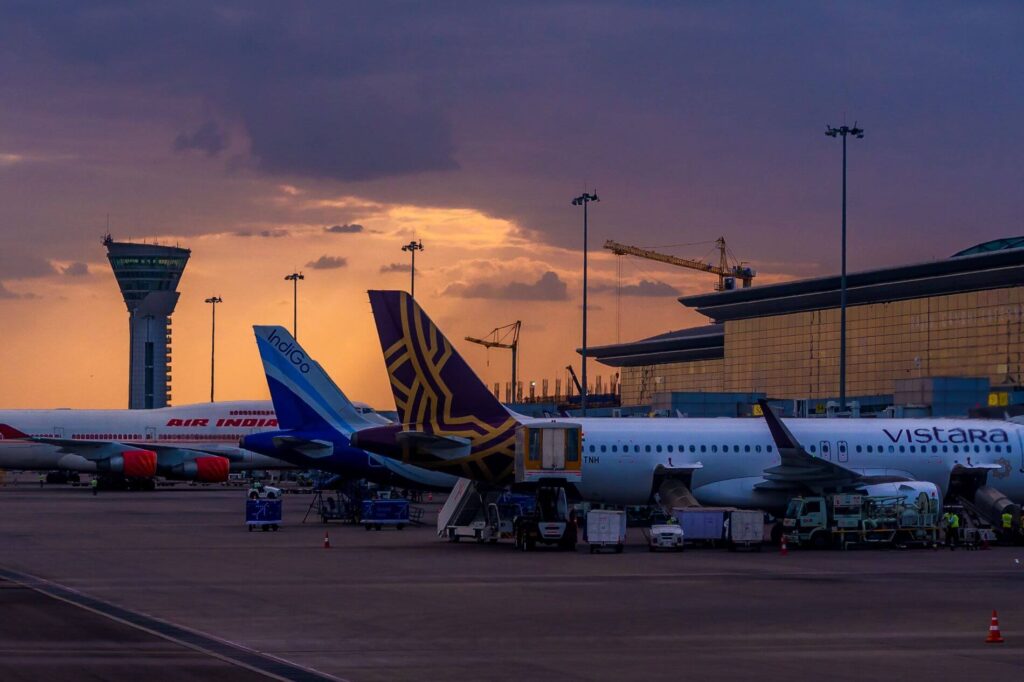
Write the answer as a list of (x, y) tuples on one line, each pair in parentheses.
[(745, 528), (380, 513), (606, 528), (701, 524)]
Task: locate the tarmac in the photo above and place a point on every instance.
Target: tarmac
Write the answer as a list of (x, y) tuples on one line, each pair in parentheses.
[(169, 584)]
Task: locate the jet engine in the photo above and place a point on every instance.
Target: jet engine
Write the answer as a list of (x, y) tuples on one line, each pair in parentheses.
[(924, 494), (208, 469), (130, 464)]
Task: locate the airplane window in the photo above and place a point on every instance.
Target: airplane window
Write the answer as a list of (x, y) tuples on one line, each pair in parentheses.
[(657, 448), (636, 448), (592, 448), (913, 449), (769, 448), (603, 448), (892, 449), (945, 448), (902, 449), (956, 448), (647, 448), (714, 448), (746, 448), (997, 448), (977, 448), (757, 448), (870, 449), (703, 448), (988, 448), (858, 448), (693, 448), (935, 448), (812, 449), (669, 448), (615, 448)]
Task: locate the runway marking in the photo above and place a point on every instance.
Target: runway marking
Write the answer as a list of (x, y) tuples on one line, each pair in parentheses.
[(264, 664)]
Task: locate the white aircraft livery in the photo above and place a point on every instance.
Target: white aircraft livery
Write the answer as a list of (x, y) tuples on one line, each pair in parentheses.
[(191, 442), (450, 422)]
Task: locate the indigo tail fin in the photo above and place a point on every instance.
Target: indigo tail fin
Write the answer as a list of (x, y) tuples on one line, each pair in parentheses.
[(304, 396)]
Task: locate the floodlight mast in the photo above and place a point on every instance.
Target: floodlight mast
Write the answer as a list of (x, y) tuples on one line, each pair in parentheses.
[(858, 133), (583, 200)]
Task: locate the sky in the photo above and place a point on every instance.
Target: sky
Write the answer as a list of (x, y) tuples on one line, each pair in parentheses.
[(322, 136)]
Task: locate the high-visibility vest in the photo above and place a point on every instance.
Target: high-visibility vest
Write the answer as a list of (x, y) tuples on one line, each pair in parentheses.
[(1007, 520), (954, 520)]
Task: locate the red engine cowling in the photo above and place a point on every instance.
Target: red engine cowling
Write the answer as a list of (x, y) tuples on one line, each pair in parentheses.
[(138, 463), (212, 469)]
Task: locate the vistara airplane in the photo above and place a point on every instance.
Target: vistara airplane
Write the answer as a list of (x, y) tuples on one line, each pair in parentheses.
[(450, 422)]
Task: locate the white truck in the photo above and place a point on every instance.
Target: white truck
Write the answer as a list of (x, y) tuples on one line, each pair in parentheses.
[(606, 528), (665, 536)]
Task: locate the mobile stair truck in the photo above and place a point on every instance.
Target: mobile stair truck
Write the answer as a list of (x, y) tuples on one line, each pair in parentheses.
[(548, 457), (476, 513), (843, 520)]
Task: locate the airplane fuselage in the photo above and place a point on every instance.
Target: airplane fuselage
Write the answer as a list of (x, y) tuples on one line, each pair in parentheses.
[(212, 427), (620, 455)]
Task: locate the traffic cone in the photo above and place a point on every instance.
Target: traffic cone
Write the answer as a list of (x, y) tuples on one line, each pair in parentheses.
[(994, 636), (430, 497), (327, 540), (783, 550)]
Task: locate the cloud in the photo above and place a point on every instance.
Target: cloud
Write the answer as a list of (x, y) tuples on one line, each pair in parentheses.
[(6, 293), (549, 287), (327, 263), (395, 267), (643, 288), (266, 234), (207, 138), (77, 269), (348, 228)]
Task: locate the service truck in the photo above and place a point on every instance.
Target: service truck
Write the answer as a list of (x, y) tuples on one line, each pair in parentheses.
[(845, 519)]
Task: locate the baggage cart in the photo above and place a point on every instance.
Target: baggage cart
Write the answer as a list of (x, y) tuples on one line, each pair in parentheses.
[(263, 513), (380, 513), (701, 524), (745, 529)]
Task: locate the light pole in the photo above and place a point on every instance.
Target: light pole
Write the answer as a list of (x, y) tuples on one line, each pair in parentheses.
[(844, 132), (294, 278), (213, 301), (583, 200), (412, 248)]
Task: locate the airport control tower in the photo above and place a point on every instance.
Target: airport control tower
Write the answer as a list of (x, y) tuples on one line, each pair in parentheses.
[(148, 275)]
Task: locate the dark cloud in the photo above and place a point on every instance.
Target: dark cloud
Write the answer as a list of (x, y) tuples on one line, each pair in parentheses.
[(327, 263), (77, 269), (16, 263), (207, 138), (644, 287), (265, 234), (395, 267), (549, 287), (348, 228)]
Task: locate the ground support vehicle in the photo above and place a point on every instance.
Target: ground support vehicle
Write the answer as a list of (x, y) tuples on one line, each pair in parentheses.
[(844, 520), (665, 536), (263, 513), (606, 529), (550, 522), (380, 513)]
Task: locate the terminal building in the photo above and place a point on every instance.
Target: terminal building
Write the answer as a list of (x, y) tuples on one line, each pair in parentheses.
[(935, 338), (148, 276)]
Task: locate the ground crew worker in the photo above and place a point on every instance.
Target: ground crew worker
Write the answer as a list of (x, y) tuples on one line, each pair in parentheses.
[(42, 480), (1007, 525), (95, 485), (954, 530)]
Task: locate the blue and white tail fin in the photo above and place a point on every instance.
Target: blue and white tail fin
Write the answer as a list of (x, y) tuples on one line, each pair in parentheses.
[(304, 396)]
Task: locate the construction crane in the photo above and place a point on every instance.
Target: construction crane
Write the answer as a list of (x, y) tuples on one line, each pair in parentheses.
[(727, 274), (498, 338)]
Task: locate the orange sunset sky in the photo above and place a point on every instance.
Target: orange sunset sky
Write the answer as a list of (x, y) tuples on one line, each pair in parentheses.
[(323, 136)]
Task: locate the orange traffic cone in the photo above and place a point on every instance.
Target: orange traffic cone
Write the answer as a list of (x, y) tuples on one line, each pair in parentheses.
[(994, 636), (327, 540), (783, 550)]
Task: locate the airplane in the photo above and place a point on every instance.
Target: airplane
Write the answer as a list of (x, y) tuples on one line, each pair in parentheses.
[(189, 442), (316, 419), (450, 422)]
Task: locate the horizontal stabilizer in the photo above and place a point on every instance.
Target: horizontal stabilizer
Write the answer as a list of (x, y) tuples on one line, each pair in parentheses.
[(442, 447), (309, 448)]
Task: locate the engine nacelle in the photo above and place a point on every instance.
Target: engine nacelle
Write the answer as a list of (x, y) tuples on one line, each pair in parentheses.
[(208, 469), (130, 464), (923, 494)]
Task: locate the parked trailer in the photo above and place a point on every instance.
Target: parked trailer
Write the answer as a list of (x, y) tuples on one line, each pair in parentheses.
[(264, 514), (702, 524), (606, 529)]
